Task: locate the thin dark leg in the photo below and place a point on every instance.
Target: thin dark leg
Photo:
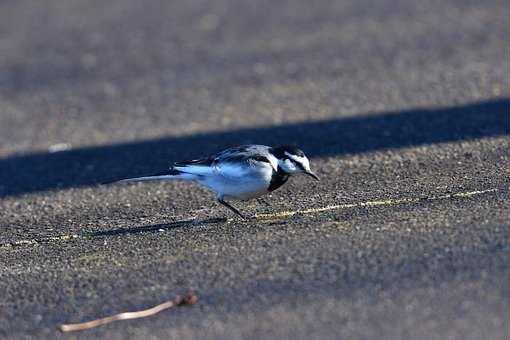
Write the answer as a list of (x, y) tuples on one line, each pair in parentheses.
[(231, 208)]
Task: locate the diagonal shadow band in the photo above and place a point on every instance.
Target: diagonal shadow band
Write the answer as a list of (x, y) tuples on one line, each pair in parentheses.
[(91, 165)]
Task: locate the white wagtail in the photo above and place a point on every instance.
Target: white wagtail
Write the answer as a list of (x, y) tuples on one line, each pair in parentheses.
[(239, 173)]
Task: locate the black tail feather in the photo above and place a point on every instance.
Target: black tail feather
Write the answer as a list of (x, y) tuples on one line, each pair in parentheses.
[(168, 172), (202, 161)]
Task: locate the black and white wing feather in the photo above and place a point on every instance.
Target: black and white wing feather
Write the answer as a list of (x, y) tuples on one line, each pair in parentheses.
[(234, 162), (245, 160)]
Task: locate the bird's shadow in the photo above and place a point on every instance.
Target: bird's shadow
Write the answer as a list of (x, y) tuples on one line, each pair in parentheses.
[(154, 228), (159, 227)]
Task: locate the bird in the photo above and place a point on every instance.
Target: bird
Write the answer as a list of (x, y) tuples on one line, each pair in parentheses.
[(239, 173)]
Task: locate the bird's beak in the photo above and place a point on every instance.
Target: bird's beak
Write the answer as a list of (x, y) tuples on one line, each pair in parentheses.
[(311, 174)]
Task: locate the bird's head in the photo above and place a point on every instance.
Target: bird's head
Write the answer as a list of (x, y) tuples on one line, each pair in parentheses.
[(293, 160)]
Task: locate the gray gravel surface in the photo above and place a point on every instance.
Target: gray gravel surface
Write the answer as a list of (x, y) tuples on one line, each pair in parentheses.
[(403, 106)]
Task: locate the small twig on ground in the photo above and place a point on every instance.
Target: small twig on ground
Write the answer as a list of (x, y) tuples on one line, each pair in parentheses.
[(190, 299)]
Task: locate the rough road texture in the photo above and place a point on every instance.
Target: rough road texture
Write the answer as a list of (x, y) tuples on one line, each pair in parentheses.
[(404, 107)]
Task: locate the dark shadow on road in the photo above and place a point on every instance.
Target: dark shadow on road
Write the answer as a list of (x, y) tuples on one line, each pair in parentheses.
[(155, 227), (91, 165), (151, 228)]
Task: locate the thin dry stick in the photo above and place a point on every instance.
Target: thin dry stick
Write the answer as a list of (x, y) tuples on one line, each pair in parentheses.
[(189, 299)]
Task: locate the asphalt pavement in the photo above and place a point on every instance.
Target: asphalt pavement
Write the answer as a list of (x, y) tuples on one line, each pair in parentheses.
[(402, 106)]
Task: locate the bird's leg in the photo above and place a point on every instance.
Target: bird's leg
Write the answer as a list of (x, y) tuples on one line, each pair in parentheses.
[(221, 201)]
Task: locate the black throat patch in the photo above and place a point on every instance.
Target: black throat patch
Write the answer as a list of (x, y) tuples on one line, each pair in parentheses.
[(277, 179)]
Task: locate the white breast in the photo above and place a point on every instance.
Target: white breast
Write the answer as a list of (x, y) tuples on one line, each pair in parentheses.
[(230, 181)]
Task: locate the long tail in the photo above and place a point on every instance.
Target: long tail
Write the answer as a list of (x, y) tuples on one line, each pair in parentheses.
[(165, 175)]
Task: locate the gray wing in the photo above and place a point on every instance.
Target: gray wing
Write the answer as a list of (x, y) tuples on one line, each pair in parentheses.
[(240, 161), (234, 162), (241, 153)]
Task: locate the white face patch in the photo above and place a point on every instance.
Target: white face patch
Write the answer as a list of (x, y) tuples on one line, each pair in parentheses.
[(288, 166), (299, 159)]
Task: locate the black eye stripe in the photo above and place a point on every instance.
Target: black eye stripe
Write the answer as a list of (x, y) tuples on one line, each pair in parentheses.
[(299, 165)]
